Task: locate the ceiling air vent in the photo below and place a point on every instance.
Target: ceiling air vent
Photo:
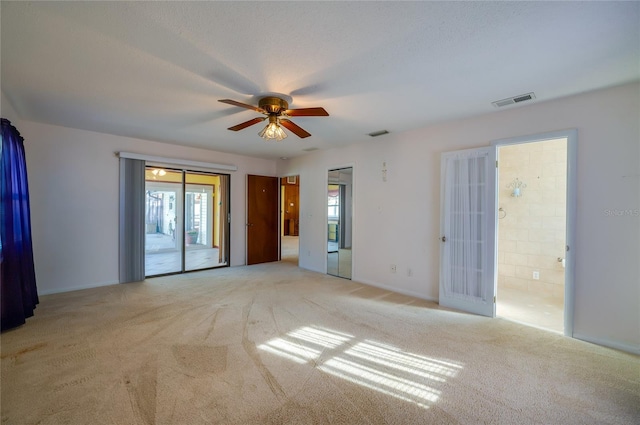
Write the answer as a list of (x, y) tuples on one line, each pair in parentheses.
[(378, 133), (310, 149), (513, 100)]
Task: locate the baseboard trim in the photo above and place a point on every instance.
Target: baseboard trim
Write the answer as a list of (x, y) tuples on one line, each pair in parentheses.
[(608, 343), (395, 289), (311, 269), (76, 288)]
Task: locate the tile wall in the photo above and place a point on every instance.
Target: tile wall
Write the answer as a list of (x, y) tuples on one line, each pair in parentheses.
[(531, 236)]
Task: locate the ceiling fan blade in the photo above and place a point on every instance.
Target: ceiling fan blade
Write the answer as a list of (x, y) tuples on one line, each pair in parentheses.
[(306, 112), (247, 124), (295, 129), (242, 105)]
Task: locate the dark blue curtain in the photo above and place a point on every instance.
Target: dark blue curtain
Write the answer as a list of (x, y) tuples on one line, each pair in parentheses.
[(19, 295)]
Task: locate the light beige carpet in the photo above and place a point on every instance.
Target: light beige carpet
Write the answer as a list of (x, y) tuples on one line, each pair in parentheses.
[(274, 344)]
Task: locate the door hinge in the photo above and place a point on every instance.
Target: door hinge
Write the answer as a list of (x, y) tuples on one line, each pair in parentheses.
[(496, 164), (229, 218), (494, 299)]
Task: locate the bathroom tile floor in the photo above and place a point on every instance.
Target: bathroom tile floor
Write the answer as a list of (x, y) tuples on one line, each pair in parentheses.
[(539, 310)]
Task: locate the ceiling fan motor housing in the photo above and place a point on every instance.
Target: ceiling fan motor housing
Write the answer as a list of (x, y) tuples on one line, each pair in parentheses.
[(273, 105)]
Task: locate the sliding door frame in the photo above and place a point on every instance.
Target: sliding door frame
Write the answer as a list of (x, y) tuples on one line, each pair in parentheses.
[(224, 216)]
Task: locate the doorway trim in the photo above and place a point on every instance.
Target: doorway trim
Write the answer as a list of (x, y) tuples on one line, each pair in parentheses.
[(570, 252)]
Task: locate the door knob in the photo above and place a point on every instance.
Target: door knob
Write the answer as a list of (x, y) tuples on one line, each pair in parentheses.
[(444, 239)]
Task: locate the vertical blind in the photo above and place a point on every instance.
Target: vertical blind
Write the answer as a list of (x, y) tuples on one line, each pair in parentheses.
[(132, 186)]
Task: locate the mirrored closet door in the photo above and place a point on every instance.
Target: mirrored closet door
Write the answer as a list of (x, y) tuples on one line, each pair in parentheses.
[(339, 222)]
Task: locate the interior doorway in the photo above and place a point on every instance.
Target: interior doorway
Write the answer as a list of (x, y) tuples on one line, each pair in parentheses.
[(532, 230), (289, 218)]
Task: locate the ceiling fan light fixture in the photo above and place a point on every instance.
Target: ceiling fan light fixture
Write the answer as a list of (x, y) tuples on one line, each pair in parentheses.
[(276, 109), (273, 131)]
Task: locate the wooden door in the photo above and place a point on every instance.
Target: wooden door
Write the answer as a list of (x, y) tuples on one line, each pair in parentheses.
[(262, 219)]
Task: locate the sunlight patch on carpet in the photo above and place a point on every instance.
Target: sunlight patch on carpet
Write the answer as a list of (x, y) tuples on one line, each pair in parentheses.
[(371, 364)]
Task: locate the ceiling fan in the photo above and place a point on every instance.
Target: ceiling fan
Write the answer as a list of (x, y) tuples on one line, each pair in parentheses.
[(277, 111)]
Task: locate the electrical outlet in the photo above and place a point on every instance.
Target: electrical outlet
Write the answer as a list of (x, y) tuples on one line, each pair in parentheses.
[(536, 275), (393, 268), (409, 272)]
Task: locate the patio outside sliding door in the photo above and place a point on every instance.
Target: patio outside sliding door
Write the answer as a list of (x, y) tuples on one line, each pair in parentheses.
[(186, 221)]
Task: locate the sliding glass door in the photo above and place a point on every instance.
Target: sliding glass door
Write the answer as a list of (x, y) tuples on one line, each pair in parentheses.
[(186, 221), (163, 215), (205, 221)]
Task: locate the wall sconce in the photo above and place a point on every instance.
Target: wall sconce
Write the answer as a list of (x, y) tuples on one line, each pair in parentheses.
[(516, 187)]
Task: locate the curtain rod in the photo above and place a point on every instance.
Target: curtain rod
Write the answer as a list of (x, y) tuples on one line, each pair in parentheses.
[(177, 161)]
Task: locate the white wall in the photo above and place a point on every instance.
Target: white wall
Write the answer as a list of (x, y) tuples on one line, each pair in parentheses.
[(6, 109), (74, 192), (397, 221)]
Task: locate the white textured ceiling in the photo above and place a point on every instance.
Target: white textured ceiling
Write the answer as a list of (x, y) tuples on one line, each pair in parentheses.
[(155, 70)]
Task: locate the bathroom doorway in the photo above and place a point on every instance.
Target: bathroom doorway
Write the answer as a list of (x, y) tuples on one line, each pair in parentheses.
[(532, 232)]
